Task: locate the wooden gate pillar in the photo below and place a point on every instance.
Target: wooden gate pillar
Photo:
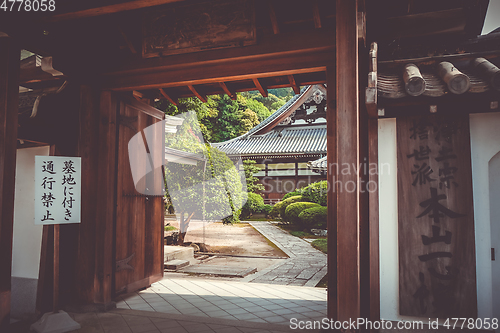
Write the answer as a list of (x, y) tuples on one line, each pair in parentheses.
[(9, 101), (346, 200)]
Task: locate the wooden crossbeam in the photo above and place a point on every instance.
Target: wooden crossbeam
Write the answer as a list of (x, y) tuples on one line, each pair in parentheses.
[(137, 95), (228, 92), (293, 83), (261, 89), (316, 15), (197, 94), (74, 12), (168, 98), (127, 41), (274, 20)]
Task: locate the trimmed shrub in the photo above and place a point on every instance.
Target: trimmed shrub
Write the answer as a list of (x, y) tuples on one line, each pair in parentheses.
[(313, 217), (286, 202), (291, 194), (266, 209), (253, 205), (316, 192), (275, 211), (293, 210)]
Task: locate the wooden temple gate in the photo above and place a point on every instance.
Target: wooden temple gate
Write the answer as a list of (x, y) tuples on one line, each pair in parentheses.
[(116, 247)]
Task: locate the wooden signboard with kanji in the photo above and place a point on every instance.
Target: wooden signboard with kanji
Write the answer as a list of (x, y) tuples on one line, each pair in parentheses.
[(437, 271)]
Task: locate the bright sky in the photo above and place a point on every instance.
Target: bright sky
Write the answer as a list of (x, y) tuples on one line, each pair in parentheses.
[(492, 17)]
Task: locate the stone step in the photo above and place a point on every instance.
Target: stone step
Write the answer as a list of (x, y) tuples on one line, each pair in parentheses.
[(219, 270), (173, 252), (176, 264)]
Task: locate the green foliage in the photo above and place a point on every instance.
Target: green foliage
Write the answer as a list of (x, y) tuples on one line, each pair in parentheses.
[(250, 169), (266, 209), (321, 244), (254, 204), (292, 194), (285, 93), (285, 203), (314, 217), (275, 211), (212, 191), (169, 228), (316, 192), (299, 234), (293, 210), (260, 110)]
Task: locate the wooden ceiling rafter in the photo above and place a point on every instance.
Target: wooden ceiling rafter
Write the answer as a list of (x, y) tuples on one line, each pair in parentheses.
[(201, 97), (127, 41), (274, 19), (295, 86), (260, 88), (166, 96), (228, 92)]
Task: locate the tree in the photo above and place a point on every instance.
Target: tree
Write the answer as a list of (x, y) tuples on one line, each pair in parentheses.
[(259, 109), (252, 181), (210, 188)]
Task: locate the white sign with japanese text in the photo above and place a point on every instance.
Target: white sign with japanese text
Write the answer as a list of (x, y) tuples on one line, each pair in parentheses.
[(57, 189)]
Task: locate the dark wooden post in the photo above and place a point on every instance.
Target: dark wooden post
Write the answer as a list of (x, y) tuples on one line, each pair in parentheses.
[(106, 208), (9, 97), (331, 174), (347, 185)]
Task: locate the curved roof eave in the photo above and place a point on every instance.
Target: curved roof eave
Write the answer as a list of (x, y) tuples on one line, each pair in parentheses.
[(274, 119)]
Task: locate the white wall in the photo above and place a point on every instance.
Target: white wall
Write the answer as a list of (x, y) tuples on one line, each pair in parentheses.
[(485, 143), (27, 237)]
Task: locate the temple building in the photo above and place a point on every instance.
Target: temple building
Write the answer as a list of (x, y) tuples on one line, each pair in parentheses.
[(284, 142)]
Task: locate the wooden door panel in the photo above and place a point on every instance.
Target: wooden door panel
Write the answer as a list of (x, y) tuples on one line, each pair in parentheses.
[(139, 221)]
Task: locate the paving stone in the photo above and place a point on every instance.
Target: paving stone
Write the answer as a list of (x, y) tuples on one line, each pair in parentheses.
[(219, 270), (176, 264)]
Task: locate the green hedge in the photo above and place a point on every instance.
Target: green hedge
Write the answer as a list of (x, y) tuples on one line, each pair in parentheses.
[(253, 205), (291, 194), (284, 204), (293, 210), (316, 192), (266, 209), (313, 217), (275, 211)]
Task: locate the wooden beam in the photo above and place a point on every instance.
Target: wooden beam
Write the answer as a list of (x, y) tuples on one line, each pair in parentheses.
[(348, 151), (137, 95), (259, 86), (275, 55), (295, 86), (316, 14), (122, 6), (227, 91), (127, 41), (197, 94), (274, 20), (168, 98), (9, 102)]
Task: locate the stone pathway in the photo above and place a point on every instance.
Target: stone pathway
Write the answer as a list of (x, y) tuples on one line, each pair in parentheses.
[(227, 300), (305, 267)]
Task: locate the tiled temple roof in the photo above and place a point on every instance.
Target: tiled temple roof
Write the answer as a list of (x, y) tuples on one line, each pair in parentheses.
[(266, 139)]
